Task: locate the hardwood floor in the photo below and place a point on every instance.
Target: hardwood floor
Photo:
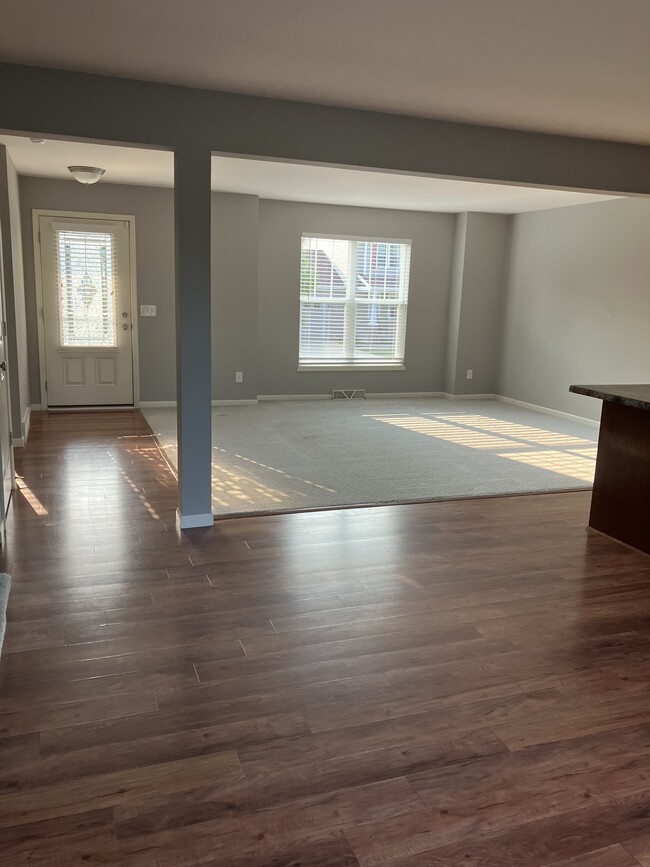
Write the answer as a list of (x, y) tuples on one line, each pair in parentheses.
[(459, 683)]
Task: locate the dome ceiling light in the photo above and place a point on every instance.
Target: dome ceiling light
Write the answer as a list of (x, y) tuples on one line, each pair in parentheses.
[(86, 174)]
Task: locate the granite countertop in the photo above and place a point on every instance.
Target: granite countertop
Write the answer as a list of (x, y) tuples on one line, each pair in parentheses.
[(637, 396)]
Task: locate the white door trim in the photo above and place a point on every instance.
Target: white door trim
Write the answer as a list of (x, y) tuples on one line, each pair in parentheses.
[(37, 213)]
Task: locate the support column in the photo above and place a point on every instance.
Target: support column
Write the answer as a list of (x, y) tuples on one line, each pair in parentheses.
[(192, 165)]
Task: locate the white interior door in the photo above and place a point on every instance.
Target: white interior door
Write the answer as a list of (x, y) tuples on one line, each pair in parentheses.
[(6, 455), (87, 316), (6, 450)]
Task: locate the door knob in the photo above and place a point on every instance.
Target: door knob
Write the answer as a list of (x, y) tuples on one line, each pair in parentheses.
[(125, 327), (3, 365)]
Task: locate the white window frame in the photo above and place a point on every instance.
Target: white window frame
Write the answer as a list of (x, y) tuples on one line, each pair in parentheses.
[(350, 305)]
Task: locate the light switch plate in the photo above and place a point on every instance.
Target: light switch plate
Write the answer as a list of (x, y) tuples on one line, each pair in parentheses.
[(148, 310)]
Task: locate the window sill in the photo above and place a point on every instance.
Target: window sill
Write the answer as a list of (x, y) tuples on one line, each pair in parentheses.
[(302, 368)]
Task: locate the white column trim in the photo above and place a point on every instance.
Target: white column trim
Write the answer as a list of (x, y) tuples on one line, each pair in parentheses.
[(190, 522)]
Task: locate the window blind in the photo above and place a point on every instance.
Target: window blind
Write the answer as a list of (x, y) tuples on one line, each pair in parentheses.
[(86, 277), (353, 300)]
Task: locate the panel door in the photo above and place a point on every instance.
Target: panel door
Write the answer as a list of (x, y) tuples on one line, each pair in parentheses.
[(86, 280)]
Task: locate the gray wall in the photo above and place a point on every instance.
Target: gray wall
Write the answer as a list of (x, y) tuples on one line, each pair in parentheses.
[(234, 290), (234, 279), (14, 295), (578, 304), (578, 296), (254, 317), (484, 283), (154, 234), (281, 226), (38, 101), (455, 300)]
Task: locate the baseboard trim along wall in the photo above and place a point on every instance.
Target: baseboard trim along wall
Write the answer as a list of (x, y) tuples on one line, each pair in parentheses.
[(467, 396), (398, 394), (266, 397), (19, 441), (370, 395), (547, 410), (156, 404), (161, 404)]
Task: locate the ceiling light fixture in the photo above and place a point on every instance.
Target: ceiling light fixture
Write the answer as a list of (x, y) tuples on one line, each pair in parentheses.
[(86, 174)]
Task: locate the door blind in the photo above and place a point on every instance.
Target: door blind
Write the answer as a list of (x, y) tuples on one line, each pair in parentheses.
[(86, 278), (353, 300)]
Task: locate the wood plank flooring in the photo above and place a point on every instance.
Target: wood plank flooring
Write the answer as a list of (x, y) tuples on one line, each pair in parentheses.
[(461, 683)]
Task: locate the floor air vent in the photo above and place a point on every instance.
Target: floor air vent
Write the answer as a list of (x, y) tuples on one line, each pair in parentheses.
[(348, 393)]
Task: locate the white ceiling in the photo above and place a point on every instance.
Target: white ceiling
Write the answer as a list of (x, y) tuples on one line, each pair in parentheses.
[(579, 67), (289, 181)]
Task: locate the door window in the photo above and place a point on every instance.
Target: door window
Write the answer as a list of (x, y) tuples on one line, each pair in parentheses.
[(85, 264)]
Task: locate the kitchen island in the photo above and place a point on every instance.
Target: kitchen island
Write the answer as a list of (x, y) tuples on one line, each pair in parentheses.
[(620, 502)]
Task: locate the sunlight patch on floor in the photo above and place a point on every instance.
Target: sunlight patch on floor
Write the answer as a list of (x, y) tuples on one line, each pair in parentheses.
[(26, 492), (566, 463), (443, 431), (482, 432), (512, 429), (137, 489), (237, 489)]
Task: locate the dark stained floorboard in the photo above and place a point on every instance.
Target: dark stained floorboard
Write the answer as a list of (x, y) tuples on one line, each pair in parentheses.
[(409, 686)]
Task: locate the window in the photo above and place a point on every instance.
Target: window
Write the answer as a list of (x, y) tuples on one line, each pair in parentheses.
[(353, 297), (85, 265)]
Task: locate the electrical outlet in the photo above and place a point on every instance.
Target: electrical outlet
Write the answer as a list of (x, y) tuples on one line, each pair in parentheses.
[(470, 374), (239, 376)]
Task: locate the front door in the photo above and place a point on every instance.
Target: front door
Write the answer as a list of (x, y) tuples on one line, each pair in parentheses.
[(87, 316)]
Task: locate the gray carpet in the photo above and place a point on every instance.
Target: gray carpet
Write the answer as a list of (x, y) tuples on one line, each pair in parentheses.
[(290, 455), (5, 586)]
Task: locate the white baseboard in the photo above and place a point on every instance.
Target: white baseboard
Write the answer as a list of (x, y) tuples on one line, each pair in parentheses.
[(161, 404), (467, 396), (388, 395), (98, 408), (154, 404), (190, 522), (370, 395), (547, 410), (20, 441), (266, 397)]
